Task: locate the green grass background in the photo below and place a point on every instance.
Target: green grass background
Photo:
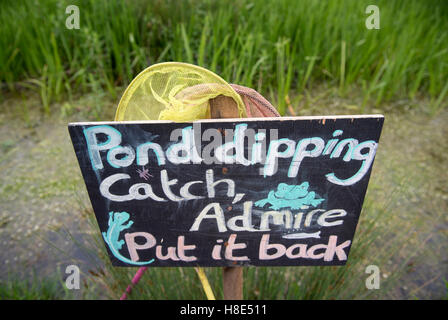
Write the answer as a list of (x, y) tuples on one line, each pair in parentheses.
[(271, 45)]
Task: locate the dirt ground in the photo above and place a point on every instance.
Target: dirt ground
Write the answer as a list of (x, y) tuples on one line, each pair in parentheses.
[(43, 196)]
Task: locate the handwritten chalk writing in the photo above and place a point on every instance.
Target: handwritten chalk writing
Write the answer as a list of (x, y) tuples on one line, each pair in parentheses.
[(222, 152), (273, 154), (302, 152), (143, 191), (230, 192), (332, 142), (186, 151), (284, 218), (329, 250), (267, 250), (134, 190), (367, 159), (216, 252), (94, 146), (211, 184), (302, 235), (335, 213), (218, 215), (174, 253), (245, 218), (143, 153), (232, 246)]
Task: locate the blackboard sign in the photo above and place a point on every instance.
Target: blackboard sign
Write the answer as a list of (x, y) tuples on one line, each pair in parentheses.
[(231, 192)]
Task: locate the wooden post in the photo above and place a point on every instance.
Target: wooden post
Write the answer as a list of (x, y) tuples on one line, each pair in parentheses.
[(232, 277), (232, 283)]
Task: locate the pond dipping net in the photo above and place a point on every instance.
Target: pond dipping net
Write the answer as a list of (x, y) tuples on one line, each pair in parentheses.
[(184, 92)]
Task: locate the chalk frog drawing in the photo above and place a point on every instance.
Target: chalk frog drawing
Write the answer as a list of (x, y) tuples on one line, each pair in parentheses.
[(117, 224), (290, 196)]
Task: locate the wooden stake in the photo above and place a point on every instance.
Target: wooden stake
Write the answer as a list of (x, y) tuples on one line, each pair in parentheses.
[(223, 107), (232, 277), (232, 282)]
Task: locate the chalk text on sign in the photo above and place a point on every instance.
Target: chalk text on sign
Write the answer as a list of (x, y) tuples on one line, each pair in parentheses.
[(142, 191), (237, 251), (284, 218), (187, 151), (232, 192)]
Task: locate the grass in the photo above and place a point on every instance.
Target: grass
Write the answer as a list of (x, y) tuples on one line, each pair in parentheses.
[(277, 47), (35, 288)]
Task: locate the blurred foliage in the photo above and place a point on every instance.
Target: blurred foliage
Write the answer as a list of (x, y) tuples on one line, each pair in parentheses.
[(273, 46)]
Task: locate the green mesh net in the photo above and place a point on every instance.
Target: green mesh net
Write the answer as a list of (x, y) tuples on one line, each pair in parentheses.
[(174, 91)]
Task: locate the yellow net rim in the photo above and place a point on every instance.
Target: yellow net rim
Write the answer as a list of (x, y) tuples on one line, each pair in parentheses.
[(122, 105)]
